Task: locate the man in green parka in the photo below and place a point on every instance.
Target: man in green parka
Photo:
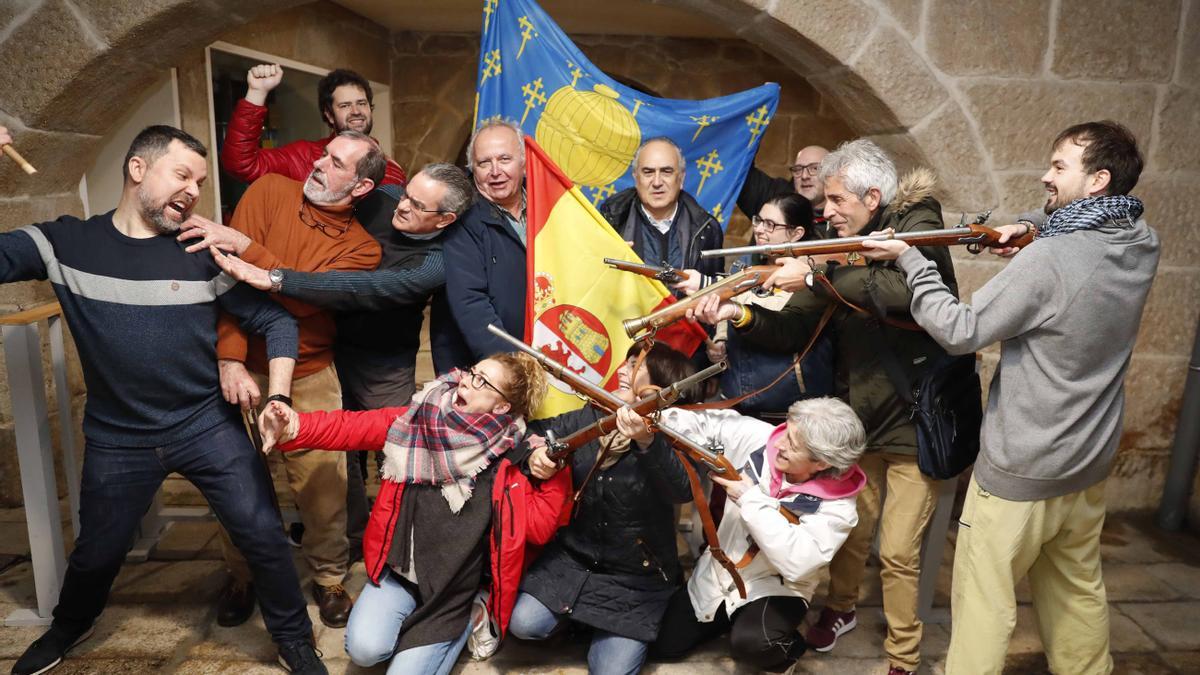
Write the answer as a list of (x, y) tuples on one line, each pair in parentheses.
[(863, 195)]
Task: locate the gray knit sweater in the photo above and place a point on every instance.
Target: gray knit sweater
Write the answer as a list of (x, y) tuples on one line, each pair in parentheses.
[(1066, 311)]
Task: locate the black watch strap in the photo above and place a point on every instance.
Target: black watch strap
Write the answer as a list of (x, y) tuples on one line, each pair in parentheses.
[(286, 400)]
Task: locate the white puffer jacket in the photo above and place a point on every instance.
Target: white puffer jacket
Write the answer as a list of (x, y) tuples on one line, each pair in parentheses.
[(790, 555)]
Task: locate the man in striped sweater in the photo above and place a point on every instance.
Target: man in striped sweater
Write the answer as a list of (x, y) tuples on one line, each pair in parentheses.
[(144, 313)]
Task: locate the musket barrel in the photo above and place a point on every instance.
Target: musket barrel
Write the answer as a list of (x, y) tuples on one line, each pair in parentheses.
[(840, 245)]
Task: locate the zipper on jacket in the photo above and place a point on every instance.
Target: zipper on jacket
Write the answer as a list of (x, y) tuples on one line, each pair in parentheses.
[(652, 559)]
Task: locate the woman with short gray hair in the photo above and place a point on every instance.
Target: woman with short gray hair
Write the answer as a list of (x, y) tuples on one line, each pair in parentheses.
[(789, 510)]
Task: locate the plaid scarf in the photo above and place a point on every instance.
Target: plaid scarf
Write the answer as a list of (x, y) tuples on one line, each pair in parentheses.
[(433, 444), (1092, 212)]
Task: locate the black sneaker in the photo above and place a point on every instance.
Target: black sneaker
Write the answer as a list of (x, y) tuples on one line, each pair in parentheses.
[(48, 651), (300, 656)]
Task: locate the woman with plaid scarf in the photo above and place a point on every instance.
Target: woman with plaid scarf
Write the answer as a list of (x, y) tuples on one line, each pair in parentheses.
[(428, 540)]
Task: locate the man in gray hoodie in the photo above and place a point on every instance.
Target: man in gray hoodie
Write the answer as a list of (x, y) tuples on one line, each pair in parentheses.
[(1066, 312)]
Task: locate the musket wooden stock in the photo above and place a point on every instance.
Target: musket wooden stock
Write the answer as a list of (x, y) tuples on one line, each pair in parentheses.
[(734, 284), (667, 275), (972, 235)]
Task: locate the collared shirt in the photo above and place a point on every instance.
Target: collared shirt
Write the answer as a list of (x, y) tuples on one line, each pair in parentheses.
[(663, 225), (517, 224)]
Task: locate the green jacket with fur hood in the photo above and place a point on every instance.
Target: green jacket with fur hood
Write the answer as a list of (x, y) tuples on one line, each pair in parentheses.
[(859, 375)]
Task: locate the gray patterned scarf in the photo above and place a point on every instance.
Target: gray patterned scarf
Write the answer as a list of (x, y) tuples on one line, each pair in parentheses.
[(1092, 212)]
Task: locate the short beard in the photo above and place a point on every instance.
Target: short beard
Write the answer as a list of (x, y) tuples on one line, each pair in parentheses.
[(347, 127), (155, 215), (317, 194)]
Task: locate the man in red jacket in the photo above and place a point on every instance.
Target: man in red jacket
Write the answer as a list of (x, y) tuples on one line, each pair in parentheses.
[(346, 102)]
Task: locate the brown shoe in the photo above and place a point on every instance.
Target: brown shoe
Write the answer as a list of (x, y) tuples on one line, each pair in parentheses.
[(333, 603), (236, 603)]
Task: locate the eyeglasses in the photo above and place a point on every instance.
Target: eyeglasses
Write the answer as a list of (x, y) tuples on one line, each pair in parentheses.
[(350, 105), (478, 381), (332, 229), (416, 205), (766, 225), (801, 169)]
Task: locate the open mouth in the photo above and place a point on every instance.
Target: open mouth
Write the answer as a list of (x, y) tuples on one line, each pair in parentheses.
[(460, 403), (177, 209)]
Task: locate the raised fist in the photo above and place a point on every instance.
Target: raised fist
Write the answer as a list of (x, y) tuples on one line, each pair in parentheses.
[(260, 80)]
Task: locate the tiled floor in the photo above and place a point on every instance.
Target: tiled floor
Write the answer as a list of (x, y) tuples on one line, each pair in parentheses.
[(161, 618)]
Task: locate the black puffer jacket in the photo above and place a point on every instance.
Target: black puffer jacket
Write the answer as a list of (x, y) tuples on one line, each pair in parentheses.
[(616, 564), (704, 232)]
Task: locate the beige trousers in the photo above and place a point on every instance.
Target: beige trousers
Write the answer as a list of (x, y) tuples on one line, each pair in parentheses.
[(317, 478), (1057, 543), (906, 512)]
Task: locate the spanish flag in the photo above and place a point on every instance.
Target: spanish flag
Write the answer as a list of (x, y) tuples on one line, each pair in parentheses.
[(576, 303)]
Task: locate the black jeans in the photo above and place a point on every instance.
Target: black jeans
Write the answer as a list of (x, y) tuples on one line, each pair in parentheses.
[(118, 486), (763, 633)]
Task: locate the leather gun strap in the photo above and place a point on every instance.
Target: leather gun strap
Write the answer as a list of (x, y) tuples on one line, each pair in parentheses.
[(710, 528), (600, 457), (897, 323), (812, 340), (753, 550)]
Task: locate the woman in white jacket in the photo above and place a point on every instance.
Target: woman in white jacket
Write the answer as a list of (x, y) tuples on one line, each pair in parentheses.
[(789, 511)]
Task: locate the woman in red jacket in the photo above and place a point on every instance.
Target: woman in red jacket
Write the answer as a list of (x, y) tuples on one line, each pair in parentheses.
[(424, 547)]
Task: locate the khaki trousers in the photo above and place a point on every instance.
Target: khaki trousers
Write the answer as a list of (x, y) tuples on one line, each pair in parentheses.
[(1054, 541), (905, 514), (317, 478)]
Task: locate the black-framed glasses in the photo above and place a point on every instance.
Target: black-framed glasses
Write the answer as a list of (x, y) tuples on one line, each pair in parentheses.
[(766, 224), (801, 169), (478, 381), (416, 205), (331, 229)]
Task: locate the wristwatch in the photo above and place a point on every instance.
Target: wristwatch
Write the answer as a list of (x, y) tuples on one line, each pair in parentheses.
[(808, 280), (284, 399), (275, 276)]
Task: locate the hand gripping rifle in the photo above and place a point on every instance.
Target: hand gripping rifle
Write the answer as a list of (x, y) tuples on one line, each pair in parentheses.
[(713, 461), (667, 275), (561, 448), (975, 236)]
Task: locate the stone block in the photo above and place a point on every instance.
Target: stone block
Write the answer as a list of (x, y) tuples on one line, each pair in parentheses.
[(907, 13), (1173, 210), (450, 132), (449, 43), (894, 69), (988, 38), (1128, 540), (415, 78), (902, 148), (1153, 395), (1136, 480), (958, 159), (1187, 71), (1182, 662), (23, 211), (1172, 624), (836, 26), (59, 157), (1169, 321), (1018, 119), (973, 274), (1020, 191), (1178, 147), (1134, 39), (857, 102), (827, 132), (267, 666), (1131, 583)]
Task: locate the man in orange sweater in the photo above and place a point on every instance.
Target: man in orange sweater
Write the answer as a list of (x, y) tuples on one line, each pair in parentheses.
[(308, 227)]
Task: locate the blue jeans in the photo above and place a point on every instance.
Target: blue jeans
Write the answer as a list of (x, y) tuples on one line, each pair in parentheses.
[(374, 629), (118, 485), (609, 654)]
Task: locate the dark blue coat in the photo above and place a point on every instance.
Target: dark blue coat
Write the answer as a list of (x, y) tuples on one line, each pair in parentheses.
[(485, 283)]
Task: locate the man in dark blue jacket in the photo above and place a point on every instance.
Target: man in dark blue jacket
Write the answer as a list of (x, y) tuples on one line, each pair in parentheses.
[(485, 254)]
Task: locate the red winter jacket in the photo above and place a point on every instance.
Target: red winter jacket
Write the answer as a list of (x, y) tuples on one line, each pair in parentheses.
[(244, 160), (524, 517)]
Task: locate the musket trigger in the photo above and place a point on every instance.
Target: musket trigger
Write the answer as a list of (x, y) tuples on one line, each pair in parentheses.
[(974, 248)]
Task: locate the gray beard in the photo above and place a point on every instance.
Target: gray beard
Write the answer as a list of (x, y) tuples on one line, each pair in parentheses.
[(315, 193)]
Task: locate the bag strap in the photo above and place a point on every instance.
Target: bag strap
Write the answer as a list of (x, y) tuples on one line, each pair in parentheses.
[(812, 341), (709, 527)]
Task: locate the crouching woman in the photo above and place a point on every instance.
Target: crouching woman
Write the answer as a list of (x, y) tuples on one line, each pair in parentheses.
[(450, 495), (788, 512)]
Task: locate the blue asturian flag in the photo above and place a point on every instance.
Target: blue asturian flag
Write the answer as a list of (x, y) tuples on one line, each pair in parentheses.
[(591, 125)]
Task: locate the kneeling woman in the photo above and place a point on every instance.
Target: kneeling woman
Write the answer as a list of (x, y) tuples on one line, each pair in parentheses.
[(615, 566), (788, 512), (426, 542)]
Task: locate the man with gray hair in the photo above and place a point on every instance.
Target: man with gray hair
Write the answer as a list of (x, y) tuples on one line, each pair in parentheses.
[(312, 228), (666, 225), (862, 196), (485, 254)]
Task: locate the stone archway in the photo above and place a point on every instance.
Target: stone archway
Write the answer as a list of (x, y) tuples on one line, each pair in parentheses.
[(973, 90)]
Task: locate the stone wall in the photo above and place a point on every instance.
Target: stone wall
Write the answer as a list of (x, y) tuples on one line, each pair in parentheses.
[(975, 90), (434, 92)]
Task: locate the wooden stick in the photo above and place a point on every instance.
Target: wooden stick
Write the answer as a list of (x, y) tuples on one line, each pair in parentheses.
[(16, 157)]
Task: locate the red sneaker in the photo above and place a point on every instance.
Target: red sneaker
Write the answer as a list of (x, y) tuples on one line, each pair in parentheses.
[(828, 628)]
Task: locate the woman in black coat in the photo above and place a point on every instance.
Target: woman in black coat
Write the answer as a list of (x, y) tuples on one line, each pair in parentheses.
[(615, 566)]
